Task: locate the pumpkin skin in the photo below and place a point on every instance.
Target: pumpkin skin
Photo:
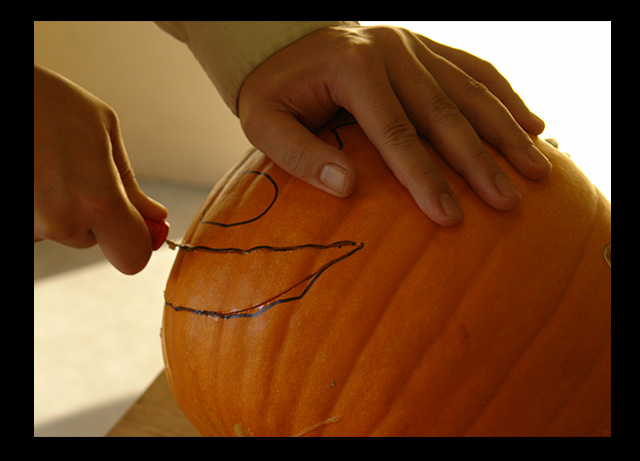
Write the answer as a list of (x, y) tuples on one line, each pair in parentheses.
[(500, 326)]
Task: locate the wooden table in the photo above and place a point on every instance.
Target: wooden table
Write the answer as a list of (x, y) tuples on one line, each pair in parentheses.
[(154, 414)]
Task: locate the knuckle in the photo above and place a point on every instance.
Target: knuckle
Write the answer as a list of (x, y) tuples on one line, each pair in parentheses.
[(398, 133), (481, 157), (249, 121), (425, 172), (98, 207), (482, 69), (487, 72), (510, 137), (55, 221), (486, 67), (366, 50), (390, 34), (298, 160), (127, 176), (422, 178), (478, 160), (474, 89), (48, 230), (507, 136), (414, 77), (359, 55), (442, 110), (66, 231), (360, 51)]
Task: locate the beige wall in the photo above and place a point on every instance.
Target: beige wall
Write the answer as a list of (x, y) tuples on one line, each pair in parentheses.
[(174, 123)]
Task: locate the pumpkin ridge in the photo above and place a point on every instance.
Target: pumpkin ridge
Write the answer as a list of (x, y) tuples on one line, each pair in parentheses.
[(416, 366), (358, 346), (446, 327), (324, 346), (469, 284), (321, 346), (366, 343), (403, 377), (279, 357), (363, 343), (532, 340), (594, 362), (498, 326), (584, 382)]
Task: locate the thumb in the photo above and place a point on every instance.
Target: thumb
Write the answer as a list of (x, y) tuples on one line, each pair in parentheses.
[(298, 151), (153, 213)]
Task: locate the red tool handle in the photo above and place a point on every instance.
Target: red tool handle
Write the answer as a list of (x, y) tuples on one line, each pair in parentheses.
[(158, 230)]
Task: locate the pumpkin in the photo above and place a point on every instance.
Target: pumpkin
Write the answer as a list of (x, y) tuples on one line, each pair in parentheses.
[(292, 312)]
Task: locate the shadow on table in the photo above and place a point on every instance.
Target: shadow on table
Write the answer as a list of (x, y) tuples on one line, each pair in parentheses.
[(92, 422)]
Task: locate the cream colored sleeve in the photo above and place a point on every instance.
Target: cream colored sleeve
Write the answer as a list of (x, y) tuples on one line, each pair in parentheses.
[(230, 50)]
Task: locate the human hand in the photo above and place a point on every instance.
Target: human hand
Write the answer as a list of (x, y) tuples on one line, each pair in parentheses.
[(84, 190), (396, 84)]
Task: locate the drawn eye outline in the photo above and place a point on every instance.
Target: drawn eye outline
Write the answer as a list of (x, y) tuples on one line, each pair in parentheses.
[(275, 197)]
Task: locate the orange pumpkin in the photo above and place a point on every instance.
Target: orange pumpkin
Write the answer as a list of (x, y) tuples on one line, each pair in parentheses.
[(293, 312)]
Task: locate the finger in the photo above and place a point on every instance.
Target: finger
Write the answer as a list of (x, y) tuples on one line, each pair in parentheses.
[(440, 119), (295, 149), (116, 223), (123, 237), (503, 90), (147, 207), (486, 73), (488, 116), (80, 239), (108, 219), (154, 213), (385, 122)]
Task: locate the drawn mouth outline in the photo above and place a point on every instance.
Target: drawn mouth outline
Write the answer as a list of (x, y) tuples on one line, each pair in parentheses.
[(262, 307)]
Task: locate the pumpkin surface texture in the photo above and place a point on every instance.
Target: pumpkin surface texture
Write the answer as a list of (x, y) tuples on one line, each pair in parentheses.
[(292, 312)]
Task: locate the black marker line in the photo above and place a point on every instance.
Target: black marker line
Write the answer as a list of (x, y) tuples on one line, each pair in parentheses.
[(261, 308), (258, 309), (275, 196)]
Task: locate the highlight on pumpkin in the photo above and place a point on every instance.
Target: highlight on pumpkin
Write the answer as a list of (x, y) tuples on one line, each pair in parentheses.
[(387, 324)]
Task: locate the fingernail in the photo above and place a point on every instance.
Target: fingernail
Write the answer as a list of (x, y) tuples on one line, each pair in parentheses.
[(158, 230), (504, 186), (334, 177), (450, 206), (537, 157)]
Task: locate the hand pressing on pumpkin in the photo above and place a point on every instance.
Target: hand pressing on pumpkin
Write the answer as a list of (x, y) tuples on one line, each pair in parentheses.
[(84, 190), (396, 84)]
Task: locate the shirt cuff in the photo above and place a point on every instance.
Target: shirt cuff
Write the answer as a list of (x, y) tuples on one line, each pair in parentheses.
[(229, 51)]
